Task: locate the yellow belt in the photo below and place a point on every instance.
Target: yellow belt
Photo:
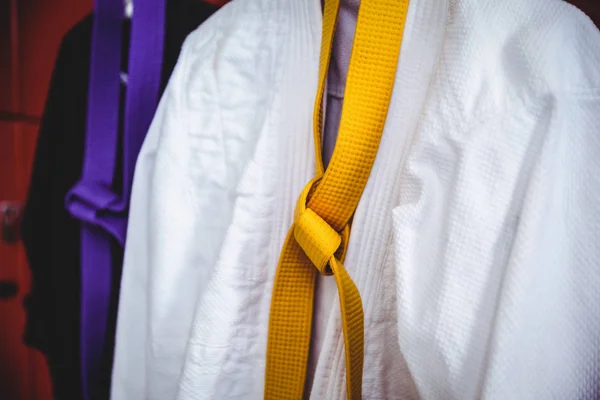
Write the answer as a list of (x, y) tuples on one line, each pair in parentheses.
[(319, 236)]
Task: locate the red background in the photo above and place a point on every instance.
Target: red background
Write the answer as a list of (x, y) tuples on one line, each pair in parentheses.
[(30, 33)]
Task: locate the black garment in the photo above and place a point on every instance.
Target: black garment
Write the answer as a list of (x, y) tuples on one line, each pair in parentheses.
[(51, 236)]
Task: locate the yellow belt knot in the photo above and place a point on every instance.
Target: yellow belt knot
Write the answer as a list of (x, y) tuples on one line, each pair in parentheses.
[(319, 241), (319, 235)]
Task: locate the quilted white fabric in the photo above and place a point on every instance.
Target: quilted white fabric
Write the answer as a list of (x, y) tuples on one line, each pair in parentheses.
[(476, 245)]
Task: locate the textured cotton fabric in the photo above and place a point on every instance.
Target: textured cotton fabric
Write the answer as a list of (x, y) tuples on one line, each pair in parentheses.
[(475, 246)]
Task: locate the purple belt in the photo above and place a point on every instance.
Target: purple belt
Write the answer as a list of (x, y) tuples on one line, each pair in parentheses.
[(101, 209)]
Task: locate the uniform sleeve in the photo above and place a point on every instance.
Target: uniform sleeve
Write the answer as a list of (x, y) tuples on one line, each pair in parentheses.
[(552, 281), (153, 322)]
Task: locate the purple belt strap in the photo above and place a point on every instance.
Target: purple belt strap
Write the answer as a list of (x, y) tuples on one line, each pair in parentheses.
[(93, 200)]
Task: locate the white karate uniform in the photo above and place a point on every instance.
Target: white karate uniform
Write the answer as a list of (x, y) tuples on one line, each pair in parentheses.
[(476, 243)]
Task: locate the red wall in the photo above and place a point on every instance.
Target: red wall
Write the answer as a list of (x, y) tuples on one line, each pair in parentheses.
[(30, 33)]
